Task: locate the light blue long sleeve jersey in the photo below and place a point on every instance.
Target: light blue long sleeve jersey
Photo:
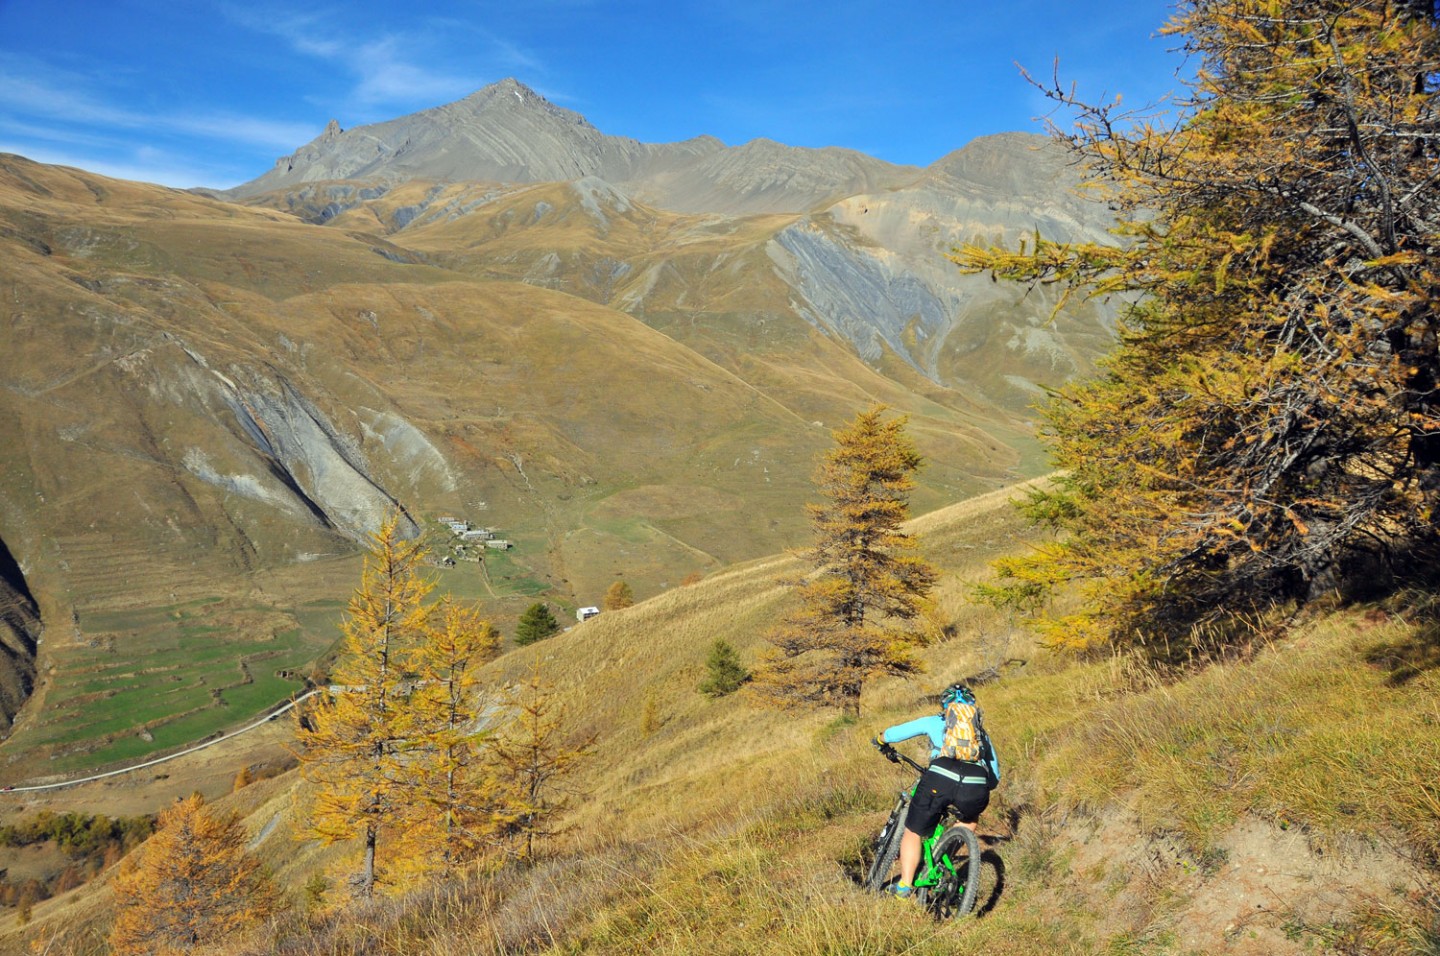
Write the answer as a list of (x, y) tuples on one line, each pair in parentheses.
[(934, 728)]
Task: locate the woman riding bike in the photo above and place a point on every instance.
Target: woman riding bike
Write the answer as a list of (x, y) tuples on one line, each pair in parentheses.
[(963, 769)]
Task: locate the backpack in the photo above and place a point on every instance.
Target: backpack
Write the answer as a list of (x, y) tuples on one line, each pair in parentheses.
[(965, 737), (964, 732)]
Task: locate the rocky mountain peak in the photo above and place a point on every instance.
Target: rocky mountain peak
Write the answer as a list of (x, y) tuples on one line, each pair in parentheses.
[(507, 132), (1007, 163), (508, 96)]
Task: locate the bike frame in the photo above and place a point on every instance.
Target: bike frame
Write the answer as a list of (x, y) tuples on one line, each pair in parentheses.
[(931, 871)]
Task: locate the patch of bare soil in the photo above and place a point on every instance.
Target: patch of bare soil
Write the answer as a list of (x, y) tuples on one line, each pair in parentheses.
[(41, 861), (1267, 893)]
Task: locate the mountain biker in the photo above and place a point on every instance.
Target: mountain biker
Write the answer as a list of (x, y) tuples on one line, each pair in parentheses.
[(948, 781)]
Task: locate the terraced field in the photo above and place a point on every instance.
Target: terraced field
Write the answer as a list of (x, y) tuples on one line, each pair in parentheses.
[(106, 571), (159, 662), (147, 680)]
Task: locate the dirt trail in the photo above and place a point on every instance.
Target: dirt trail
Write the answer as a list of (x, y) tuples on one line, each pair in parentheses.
[(1272, 889)]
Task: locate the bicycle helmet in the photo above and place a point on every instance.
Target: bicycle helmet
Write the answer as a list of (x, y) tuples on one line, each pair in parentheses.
[(955, 692)]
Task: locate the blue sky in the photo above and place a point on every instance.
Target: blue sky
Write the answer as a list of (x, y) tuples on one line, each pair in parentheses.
[(211, 92)]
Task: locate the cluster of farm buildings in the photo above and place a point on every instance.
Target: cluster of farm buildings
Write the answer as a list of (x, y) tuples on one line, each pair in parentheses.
[(470, 542)]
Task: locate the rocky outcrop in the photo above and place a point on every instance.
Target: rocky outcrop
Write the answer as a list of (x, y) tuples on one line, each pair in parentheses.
[(873, 268), (19, 638), (313, 467)]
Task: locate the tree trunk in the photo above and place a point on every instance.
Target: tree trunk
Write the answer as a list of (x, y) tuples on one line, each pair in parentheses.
[(367, 874)]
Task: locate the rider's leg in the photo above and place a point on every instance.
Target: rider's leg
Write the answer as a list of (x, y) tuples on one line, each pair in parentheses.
[(927, 806), (909, 856), (970, 802)]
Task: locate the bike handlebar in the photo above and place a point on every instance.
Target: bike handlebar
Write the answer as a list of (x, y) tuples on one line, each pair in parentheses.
[(895, 756)]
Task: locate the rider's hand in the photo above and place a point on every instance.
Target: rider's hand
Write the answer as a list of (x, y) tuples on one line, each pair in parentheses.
[(879, 742)]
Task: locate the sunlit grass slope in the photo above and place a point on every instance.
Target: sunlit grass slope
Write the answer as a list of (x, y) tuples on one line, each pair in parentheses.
[(1284, 801), (1132, 809)]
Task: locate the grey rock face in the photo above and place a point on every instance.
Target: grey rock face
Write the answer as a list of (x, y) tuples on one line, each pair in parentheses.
[(873, 268), (867, 259), (313, 469), (507, 132), (20, 631)]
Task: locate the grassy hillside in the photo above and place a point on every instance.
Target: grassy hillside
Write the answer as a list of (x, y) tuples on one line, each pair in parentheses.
[(207, 405), (1283, 801)]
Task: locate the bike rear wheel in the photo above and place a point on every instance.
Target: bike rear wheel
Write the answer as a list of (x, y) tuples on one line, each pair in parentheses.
[(954, 896)]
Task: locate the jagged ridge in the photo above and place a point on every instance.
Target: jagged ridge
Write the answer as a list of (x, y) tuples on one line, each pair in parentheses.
[(507, 132)]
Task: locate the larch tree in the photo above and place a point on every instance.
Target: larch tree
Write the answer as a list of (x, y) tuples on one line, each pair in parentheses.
[(535, 750), (618, 596), (456, 798), (354, 741), (189, 885), (854, 613), (1267, 431)]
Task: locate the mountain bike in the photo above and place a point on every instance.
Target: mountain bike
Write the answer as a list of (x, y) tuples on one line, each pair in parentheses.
[(949, 873)]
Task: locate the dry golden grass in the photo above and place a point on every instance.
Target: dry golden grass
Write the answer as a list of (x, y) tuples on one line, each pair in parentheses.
[(731, 828)]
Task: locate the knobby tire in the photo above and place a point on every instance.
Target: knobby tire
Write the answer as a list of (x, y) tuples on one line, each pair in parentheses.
[(887, 848), (954, 896)]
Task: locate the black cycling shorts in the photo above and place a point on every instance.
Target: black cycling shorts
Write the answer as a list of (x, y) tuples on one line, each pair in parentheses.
[(935, 792)]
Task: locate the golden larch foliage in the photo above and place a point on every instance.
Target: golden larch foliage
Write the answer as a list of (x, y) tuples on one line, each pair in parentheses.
[(535, 753), (1269, 430), (618, 597), (854, 613), (456, 808), (354, 740), (190, 884)]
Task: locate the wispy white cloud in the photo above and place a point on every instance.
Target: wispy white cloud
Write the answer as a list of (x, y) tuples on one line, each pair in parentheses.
[(50, 133), (46, 99), (303, 32), (272, 134), (388, 68), (61, 98), (386, 76), (145, 165)]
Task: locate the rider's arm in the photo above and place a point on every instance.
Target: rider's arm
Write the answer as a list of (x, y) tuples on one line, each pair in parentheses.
[(932, 727)]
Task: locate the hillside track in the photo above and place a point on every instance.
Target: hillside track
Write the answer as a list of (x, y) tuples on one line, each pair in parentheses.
[(155, 761)]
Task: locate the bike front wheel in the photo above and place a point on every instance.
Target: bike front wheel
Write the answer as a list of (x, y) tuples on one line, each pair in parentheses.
[(887, 848), (957, 854)]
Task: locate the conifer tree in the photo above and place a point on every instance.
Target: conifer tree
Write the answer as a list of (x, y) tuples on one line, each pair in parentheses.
[(851, 622), (535, 624), (456, 795), (189, 885), (353, 745), (1269, 430), (724, 672), (535, 752), (618, 597)]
